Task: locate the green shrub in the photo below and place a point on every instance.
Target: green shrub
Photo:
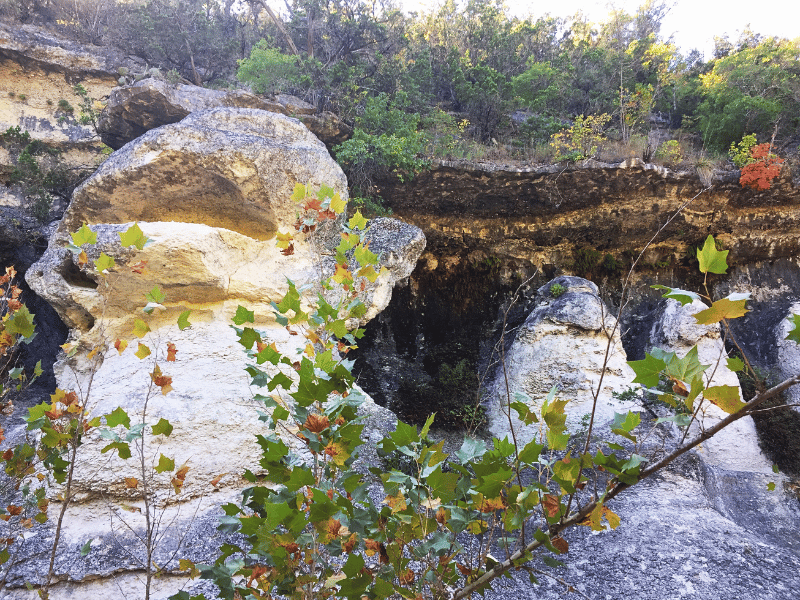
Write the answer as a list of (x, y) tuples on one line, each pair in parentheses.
[(670, 152), (268, 70), (386, 141)]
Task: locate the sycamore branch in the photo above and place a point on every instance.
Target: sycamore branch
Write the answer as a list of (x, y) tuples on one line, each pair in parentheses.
[(520, 555)]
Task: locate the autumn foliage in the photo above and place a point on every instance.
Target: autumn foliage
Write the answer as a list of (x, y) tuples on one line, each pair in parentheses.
[(764, 169)]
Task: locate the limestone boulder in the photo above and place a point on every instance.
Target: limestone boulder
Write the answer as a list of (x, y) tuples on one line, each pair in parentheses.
[(135, 109), (564, 343), (225, 167), (736, 447), (210, 194)]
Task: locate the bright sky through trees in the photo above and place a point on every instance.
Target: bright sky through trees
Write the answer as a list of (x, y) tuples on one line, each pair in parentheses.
[(693, 23)]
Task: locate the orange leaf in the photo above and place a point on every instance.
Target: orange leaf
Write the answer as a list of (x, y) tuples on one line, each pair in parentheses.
[(561, 545), (217, 479), (316, 423), (551, 505), (131, 482), (171, 352), (181, 473), (120, 345)]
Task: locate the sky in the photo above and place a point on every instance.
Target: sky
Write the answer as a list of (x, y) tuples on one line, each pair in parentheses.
[(692, 23)]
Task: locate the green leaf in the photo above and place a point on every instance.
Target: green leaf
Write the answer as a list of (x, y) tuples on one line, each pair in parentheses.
[(104, 263), (248, 336), (735, 364), (21, 323), (681, 420), (470, 448), (163, 427), (183, 320), (712, 260), (683, 296), (84, 235), (243, 316), (625, 423), (299, 193), (721, 309), (555, 418), (357, 221), (140, 328), (155, 295), (775, 469), (86, 548), (726, 397), (686, 369), (771, 486), (133, 237), (37, 370), (164, 464), (647, 370), (118, 417), (794, 332), (122, 449)]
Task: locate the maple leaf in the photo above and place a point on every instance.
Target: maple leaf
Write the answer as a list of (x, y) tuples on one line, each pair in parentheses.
[(316, 423), (161, 380), (284, 240), (560, 544), (396, 502), (312, 204), (133, 237), (551, 505), (171, 352), (721, 309), (712, 260), (726, 397), (288, 251)]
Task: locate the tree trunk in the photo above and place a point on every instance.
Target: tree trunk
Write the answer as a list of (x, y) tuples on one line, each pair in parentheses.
[(281, 28)]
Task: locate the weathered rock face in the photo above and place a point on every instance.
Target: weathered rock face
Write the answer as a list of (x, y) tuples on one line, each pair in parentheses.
[(564, 343), (539, 216), (135, 109), (210, 193), (736, 447), (40, 70), (788, 355)]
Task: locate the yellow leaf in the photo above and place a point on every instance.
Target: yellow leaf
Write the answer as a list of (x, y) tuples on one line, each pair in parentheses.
[(284, 239), (721, 309), (337, 204), (612, 518), (120, 345), (396, 503), (143, 352), (726, 397)]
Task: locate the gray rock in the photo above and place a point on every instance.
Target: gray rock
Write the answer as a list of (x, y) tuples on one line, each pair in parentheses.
[(135, 109), (788, 363), (562, 344)]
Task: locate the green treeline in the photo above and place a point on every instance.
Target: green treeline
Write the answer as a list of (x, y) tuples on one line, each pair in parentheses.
[(465, 80)]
